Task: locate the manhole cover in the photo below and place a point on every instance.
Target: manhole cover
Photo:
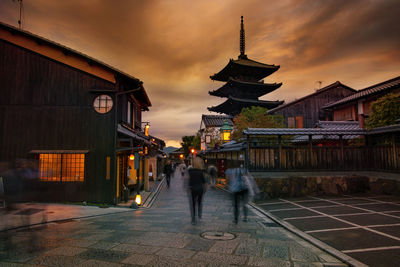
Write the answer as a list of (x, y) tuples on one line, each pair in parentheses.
[(217, 235)]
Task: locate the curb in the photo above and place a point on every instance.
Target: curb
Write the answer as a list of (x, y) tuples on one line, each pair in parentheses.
[(62, 220), (148, 203)]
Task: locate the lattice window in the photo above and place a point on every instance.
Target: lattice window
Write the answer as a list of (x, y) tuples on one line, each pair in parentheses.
[(103, 104), (62, 167)]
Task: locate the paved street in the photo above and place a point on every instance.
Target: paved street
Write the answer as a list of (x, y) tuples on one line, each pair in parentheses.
[(162, 236), (365, 227)]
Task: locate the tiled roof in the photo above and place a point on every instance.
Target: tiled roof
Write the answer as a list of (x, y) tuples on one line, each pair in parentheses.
[(320, 131), (216, 120), (136, 135), (338, 125), (375, 89), (243, 65), (331, 125), (326, 88), (234, 105), (243, 89), (301, 131)]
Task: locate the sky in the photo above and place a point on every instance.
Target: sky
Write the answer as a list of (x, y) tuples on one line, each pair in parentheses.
[(174, 46)]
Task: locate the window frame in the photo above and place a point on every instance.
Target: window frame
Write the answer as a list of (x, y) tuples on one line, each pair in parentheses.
[(65, 164), (97, 104)]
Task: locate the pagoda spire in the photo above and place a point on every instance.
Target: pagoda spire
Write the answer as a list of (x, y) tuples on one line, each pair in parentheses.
[(242, 39)]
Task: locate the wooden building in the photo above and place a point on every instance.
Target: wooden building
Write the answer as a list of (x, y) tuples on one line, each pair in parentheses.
[(305, 112), (244, 84), (77, 117), (210, 129), (357, 106)]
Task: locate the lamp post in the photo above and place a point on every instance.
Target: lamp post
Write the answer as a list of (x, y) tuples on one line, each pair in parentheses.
[(225, 131)]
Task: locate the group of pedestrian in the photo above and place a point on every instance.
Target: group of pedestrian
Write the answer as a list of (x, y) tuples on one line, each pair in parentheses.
[(196, 180)]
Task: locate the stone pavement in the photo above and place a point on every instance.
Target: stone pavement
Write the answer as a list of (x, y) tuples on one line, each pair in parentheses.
[(161, 236)]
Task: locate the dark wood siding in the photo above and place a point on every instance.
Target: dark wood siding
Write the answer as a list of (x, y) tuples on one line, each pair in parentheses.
[(46, 105), (310, 107)]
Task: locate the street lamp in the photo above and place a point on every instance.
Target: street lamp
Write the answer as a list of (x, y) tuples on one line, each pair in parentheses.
[(225, 131)]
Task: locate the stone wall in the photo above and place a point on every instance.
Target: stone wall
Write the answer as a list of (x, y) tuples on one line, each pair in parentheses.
[(300, 186)]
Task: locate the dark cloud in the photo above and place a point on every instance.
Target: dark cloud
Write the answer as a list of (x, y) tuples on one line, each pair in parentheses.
[(174, 46)]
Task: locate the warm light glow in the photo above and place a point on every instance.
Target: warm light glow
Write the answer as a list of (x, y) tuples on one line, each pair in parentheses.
[(226, 136), (192, 150), (138, 199), (146, 130), (62, 167), (181, 156), (131, 157)]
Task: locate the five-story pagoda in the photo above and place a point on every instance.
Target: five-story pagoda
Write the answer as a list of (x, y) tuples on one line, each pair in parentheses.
[(244, 84)]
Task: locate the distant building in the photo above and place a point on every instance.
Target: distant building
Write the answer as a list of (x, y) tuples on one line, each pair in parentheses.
[(357, 106), (79, 119), (305, 112), (243, 84), (210, 128)]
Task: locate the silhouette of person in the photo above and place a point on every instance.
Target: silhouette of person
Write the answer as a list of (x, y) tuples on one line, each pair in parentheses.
[(197, 187), (168, 171), (240, 191)]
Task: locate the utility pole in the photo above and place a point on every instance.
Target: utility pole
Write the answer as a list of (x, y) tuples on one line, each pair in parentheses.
[(20, 14)]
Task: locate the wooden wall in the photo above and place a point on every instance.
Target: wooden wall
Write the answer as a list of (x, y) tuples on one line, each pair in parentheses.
[(310, 107), (46, 105)]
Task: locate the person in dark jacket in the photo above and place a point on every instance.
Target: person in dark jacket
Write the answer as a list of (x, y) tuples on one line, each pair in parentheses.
[(167, 171), (197, 188)]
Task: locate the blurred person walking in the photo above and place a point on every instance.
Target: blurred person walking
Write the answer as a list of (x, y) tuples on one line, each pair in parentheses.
[(212, 171), (197, 188), (242, 186), (167, 171)]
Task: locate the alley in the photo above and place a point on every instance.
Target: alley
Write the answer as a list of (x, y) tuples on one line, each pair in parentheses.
[(162, 236)]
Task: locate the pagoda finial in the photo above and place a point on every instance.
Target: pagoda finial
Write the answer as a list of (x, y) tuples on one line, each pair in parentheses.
[(242, 39)]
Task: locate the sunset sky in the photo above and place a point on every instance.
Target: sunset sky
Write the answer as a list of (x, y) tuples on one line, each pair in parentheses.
[(173, 46)]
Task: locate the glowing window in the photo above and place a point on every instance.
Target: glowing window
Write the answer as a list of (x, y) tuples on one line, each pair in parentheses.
[(103, 104), (62, 167)]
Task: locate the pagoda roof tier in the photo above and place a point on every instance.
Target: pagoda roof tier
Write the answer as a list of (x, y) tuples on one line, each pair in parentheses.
[(244, 69), (233, 106), (248, 90)]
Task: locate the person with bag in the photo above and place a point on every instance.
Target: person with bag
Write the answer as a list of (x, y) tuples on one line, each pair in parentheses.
[(242, 186), (197, 188)]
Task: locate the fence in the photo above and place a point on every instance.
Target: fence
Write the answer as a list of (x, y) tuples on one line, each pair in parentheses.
[(386, 158)]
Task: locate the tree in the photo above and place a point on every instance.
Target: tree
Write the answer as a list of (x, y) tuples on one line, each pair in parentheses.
[(255, 117), (385, 111), (190, 141)]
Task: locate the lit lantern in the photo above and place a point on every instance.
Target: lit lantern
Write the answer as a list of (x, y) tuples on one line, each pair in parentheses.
[(138, 199), (181, 156), (192, 151), (226, 131), (146, 129), (131, 157)]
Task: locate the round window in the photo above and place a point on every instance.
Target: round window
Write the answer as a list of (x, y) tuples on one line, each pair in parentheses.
[(103, 103)]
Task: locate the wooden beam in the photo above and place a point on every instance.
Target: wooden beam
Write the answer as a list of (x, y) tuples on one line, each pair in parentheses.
[(341, 151)]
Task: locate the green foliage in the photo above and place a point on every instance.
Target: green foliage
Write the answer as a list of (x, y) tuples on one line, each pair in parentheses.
[(384, 111), (191, 141), (255, 117)]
